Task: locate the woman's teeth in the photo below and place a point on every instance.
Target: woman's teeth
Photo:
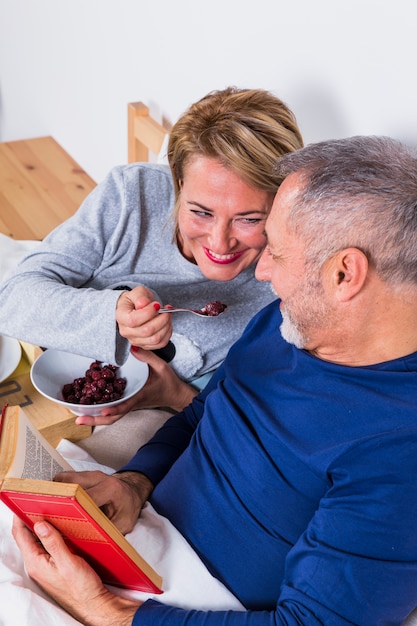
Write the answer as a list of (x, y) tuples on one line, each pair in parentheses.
[(221, 257)]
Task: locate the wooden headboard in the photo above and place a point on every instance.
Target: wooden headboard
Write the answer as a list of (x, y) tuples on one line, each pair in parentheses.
[(144, 134), (41, 185)]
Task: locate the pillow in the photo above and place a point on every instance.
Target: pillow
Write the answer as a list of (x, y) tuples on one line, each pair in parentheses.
[(12, 252)]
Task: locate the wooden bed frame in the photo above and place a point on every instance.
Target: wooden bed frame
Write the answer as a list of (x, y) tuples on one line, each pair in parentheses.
[(41, 185), (144, 134)]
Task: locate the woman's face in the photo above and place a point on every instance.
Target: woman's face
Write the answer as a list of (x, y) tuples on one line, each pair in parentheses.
[(221, 219)]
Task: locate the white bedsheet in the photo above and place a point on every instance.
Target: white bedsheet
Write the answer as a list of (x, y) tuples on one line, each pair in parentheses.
[(12, 252), (187, 583)]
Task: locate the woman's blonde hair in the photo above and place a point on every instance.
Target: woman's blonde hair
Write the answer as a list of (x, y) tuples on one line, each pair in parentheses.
[(247, 130)]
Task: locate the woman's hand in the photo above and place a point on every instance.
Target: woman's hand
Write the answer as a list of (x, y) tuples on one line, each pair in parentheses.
[(68, 579), (162, 389), (139, 322), (120, 496)]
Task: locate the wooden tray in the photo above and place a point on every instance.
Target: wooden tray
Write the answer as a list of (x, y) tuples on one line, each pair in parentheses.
[(55, 422)]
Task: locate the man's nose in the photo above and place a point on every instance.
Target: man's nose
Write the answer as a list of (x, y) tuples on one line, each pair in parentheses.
[(263, 267)]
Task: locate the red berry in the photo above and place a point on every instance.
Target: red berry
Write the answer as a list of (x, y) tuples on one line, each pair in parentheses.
[(99, 385)]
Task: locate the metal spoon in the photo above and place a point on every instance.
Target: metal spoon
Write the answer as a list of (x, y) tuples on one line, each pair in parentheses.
[(204, 312)]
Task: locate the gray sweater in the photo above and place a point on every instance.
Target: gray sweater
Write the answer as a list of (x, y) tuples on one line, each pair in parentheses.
[(62, 294)]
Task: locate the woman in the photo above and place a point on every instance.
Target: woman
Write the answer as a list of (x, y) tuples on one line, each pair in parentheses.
[(150, 235)]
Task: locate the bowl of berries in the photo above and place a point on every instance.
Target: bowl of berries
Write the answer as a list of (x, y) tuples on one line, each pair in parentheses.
[(83, 385)]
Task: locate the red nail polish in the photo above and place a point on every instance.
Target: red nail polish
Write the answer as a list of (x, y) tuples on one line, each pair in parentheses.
[(156, 306), (134, 348)]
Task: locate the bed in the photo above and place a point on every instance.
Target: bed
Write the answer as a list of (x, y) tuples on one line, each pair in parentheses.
[(146, 138)]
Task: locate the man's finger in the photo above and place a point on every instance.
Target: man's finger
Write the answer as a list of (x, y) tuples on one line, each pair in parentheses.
[(25, 539)]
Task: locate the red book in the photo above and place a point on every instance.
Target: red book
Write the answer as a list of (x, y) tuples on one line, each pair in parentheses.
[(85, 528)]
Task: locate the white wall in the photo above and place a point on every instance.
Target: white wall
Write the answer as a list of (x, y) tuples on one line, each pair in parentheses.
[(68, 68)]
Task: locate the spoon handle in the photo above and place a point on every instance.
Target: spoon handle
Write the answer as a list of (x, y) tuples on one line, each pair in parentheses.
[(175, 310)]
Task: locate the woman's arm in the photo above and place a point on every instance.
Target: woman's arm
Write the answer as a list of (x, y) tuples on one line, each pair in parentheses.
[(46, 299)]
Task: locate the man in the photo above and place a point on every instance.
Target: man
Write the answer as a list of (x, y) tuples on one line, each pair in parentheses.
[(294, 473)]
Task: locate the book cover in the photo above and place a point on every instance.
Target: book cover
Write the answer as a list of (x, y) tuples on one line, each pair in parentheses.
[(67, 506)]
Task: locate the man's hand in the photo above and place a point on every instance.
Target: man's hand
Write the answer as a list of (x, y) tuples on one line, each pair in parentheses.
[(120, 496), (163, 389), (68, 579)]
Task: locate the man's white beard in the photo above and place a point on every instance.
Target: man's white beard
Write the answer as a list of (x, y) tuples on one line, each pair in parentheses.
[(290, 332)]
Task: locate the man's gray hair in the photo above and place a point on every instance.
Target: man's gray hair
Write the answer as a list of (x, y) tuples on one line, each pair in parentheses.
[(358, 192)]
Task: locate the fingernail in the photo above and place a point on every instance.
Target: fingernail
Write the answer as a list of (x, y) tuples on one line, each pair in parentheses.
[(156, 306), (41, 529), (134, 348)]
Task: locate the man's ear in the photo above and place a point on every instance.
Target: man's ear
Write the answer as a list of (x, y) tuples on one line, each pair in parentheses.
[(349, 269)]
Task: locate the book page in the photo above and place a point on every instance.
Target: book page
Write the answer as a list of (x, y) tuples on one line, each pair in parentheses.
[(34, 457), (39, 462)]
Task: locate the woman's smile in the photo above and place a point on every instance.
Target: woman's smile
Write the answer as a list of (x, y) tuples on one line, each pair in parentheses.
[(223, 258)]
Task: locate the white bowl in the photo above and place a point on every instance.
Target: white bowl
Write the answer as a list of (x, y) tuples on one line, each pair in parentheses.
[(54, 368)]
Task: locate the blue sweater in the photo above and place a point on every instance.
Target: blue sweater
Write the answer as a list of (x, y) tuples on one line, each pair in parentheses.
[(298, 487)]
